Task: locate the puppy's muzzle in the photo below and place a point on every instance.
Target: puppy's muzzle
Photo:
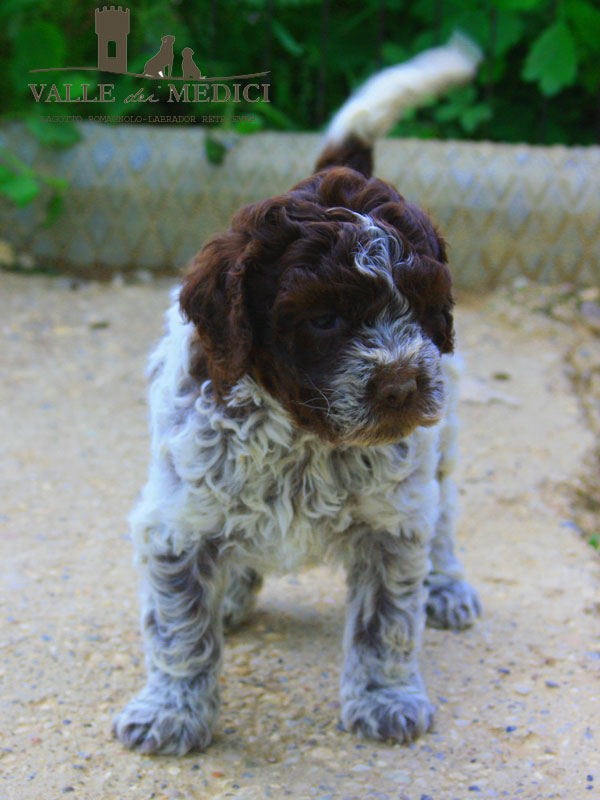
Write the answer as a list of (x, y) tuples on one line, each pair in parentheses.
[(391, 391)]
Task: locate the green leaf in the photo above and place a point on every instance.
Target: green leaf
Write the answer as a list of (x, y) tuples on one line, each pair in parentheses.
[(586, 22), (277, 118), (552, 59), (456, 104), (286, 40), (472, 117), (253, 125), (509, 31), (6, 174), (590, 78), (21, 189), (392, 53), (54, 134), (215, 150), (54, 208), (38, 45), (475, 24), (520, 5), (595, 541)]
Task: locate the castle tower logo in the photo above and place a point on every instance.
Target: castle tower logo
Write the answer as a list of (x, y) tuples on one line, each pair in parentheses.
[(112, 29), (112, 26)]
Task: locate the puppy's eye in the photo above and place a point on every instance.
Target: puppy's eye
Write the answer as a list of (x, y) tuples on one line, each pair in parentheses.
[(326, 322)]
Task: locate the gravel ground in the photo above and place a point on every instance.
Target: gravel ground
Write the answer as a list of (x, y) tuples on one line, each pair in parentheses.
[(517, 696)]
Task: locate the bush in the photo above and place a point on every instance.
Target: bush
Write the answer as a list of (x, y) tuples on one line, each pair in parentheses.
[(539, 83)]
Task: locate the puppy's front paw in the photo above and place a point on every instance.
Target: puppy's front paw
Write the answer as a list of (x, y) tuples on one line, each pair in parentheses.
[(452, 605), (160, 722), (392, 712)]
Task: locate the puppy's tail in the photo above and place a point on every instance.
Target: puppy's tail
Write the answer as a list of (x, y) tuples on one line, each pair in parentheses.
[(379, 102)]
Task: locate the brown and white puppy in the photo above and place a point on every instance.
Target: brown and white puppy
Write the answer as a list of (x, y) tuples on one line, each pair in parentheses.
[(302, 406)]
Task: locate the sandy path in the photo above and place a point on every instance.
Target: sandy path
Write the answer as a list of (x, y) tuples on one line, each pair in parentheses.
[(517, 696)]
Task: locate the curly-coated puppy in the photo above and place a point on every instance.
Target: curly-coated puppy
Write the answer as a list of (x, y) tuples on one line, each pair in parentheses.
[(302, 405)]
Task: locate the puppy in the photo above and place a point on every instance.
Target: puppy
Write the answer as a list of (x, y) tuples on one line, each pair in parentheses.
[(302, 405), (161, 65)]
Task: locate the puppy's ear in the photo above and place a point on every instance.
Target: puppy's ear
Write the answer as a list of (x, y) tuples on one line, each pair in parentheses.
[(212, 297), (425, 280)]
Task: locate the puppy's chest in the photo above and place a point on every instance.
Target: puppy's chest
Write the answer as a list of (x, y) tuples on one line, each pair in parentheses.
[(291, 501)]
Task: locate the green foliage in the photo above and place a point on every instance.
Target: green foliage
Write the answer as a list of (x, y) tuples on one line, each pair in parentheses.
[(214, 149), (54, 134), (552, 60), (18, 187), (539, 81), (20, 184)]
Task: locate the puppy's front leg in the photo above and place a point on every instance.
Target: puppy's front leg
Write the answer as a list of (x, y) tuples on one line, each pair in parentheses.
[(452, 602), (382, 693), (181, 623)]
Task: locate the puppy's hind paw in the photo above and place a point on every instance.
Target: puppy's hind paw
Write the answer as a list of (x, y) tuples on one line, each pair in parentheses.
[(390, 712), (453, 605), (152, 724)]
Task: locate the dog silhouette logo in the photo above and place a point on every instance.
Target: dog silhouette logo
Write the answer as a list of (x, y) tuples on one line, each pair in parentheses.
[(161, 65), (112, 27), (189, 69)]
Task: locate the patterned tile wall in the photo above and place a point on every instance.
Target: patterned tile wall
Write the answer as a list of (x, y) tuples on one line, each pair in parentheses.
[(146, 197)]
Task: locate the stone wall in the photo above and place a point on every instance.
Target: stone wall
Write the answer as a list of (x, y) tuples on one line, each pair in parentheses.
[(146, 197)]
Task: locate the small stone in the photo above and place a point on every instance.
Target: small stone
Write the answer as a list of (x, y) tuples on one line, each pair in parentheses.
[(592, 293), (143, 276), (7, 254), (69, 282), (521, 689), (25, 261), (552, 685), (590, 311), (322, 753)]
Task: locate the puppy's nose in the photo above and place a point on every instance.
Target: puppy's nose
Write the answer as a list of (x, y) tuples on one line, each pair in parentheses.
[(394, 391)]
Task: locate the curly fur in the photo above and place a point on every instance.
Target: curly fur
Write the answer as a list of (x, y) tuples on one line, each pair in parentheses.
[(302, 408)]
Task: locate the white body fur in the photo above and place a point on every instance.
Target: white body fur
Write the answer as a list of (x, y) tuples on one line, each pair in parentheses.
[(239, 487), (282, 497)]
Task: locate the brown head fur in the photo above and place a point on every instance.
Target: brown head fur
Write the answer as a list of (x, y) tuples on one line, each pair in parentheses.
[(253, 291)]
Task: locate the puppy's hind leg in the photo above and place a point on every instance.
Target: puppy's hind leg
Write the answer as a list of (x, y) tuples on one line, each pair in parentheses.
[(181, 623), (242, 587), (452, 602)]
